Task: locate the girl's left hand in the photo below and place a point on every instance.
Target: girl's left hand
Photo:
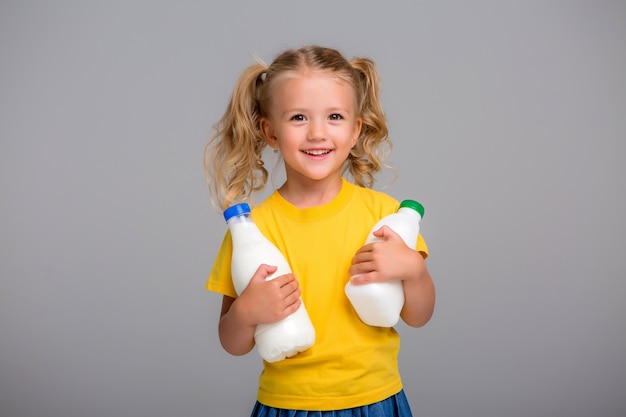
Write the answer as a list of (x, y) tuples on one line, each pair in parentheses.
[(387, 260)]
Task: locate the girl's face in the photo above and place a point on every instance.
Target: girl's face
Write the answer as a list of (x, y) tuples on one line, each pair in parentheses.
[(313, 121)]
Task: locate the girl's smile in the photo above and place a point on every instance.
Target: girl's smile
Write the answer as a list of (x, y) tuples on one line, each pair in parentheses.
[(317, 152)]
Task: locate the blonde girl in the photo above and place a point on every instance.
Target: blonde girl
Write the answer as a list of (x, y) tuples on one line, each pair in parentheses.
[(323, 114)]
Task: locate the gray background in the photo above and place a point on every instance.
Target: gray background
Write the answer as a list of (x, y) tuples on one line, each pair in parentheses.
[(509, 122)]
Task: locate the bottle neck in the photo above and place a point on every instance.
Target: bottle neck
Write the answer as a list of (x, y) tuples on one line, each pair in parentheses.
[(239, 218), (243, 228), (410, 212)]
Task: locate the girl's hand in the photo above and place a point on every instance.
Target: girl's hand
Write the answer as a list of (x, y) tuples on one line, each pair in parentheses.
[(387, 260), (263, 302)]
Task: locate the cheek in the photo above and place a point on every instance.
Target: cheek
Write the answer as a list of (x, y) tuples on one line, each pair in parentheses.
[(287, 138)]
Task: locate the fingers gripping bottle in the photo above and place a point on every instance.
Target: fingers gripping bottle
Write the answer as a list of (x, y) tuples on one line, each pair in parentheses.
[(293, 334), (380, 303)]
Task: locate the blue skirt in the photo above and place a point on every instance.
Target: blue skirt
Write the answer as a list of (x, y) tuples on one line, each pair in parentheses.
[(394, 406)]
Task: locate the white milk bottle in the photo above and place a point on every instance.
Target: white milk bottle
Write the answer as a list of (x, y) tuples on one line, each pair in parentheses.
[(380, 303), (293, 334)]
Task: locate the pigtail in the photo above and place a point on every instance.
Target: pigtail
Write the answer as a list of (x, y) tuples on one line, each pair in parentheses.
[(232, 158), (373, 146)]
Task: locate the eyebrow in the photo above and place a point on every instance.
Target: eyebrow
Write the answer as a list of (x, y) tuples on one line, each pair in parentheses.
[(330, 110)]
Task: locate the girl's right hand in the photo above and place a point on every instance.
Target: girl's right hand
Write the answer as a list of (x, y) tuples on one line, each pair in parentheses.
[(263, 302)]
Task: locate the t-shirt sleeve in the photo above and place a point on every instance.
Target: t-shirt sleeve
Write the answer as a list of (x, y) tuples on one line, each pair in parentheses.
[(220, 280), (421, 246)]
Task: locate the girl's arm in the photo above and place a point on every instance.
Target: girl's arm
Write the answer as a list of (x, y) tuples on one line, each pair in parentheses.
[(261, 302), (392, 260), (236, 337), (419, 294)]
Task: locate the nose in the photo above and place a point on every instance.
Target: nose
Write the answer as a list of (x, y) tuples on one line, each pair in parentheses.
[(317, 130)]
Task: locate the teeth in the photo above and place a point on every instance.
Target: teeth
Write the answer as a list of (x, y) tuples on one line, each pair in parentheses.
[(317, 152)]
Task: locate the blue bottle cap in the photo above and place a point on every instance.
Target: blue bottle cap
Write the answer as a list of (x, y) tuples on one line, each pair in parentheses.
[(236, 210)]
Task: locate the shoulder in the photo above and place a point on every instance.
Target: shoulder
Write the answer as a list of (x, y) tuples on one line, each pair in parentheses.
[(374, 199), (266, 211), (261, 208)]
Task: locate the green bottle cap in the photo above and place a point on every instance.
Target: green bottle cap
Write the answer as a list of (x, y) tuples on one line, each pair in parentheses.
[(412, 204)]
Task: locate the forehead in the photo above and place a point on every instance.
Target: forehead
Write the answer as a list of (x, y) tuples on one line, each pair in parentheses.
[(320, 85)]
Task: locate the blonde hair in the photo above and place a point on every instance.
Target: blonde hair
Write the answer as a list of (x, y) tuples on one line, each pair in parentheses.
[(233, 162)]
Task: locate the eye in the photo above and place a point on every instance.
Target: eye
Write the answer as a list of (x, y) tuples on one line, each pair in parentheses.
[(298, 117), (335, 116)]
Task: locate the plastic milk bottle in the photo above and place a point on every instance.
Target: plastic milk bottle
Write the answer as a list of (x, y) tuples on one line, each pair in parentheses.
[(379, 303), (293, 334)]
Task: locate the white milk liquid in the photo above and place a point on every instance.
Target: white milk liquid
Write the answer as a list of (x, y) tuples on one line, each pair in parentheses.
[(289, 336)]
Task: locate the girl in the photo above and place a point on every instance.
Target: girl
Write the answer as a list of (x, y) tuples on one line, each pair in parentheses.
[(323, 114)]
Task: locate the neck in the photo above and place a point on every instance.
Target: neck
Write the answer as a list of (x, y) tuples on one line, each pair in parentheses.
[(312, 194)]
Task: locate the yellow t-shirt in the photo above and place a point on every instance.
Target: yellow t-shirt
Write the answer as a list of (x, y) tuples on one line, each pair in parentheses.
[(351, 364)]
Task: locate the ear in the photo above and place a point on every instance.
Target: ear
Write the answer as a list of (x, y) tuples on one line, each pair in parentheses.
[(357, 131), (268, 133)]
